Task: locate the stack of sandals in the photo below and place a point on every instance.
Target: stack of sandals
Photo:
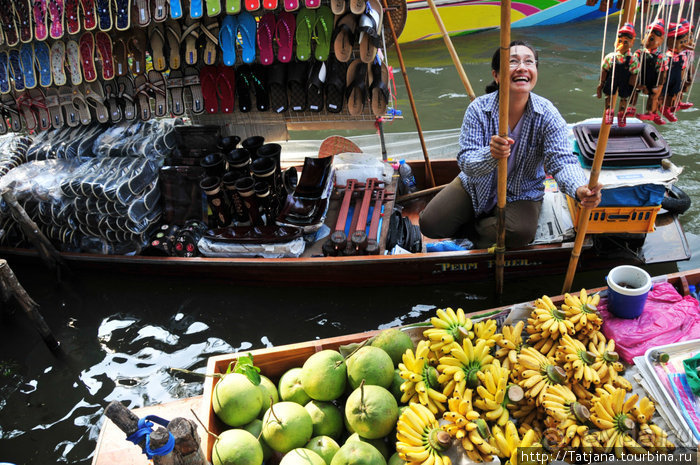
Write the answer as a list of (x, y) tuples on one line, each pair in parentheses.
[(73, 62)]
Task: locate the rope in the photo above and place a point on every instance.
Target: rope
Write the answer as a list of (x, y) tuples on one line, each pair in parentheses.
[(670, 57), (697, 62), (145, 428)]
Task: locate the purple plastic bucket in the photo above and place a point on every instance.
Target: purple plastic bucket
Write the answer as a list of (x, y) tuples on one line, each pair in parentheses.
[(628, 287)]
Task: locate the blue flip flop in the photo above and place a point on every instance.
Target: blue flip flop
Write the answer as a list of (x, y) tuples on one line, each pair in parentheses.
[(16, 70), (175, 9), (248, 28), (43, 60), (4, 72), (227, 39), (26, 59), (196, 9)]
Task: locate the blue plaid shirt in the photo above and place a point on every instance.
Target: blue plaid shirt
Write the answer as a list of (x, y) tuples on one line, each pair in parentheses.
[(543, 145)]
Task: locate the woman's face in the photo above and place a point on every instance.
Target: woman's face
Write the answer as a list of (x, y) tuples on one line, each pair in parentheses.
[(523, 70)]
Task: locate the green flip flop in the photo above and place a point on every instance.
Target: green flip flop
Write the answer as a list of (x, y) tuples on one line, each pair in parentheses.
[(323, 32), (306, 21), (233, 6), (213, 7)]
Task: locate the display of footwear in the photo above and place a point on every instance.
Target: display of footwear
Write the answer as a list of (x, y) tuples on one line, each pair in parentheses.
[(175, 87), (356, 87), (378, 78), (247, 27), (57, 15), (284, 35), (16, 70), (323, 32), (194, 87), (172, 40), (228, 34), (125, 96), (9, 23), (26, 60), (344, 37), (24, 20), (208, 79), (335, 85), (226, 88), (4, 72), (265, 36), (104, 50), (87, 56), (370, 26), (42, 55), (305, 22), (41, 32), (72, 14), (89, 14), (157, 46), (104, 15)]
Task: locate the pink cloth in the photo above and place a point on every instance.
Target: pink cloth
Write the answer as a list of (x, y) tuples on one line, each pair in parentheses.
[(668, 317)]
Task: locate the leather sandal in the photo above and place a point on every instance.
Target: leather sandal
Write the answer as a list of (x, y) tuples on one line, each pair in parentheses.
[(335, 86), (193, 86), (57, 14), (190, 34), (356, 87), (209, 40), (315, 85), (81, 106), (65, 98), (297, 73), (121, 63), (25, 109), (226, 88), (136, 46), (123, 11), (9, 23), (143, 12), (284, 34), (370, 26), (175, 85), (87, 56), (159, 10), (89, 14), (54, 106), (72, 14), (11, 112), (378, 76), (157, 89), (39, 10), (104, 50), (277, 84), (339, 7), (141, 85), (157, 42), (115, 111), (95, 97), (172, 40), (125, 96), (344, 38)]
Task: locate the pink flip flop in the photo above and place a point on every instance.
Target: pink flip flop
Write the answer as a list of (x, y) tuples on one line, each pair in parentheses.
[(41, 32), (313, 3), (265, 37), (87, 56), (56, 11), (284, 33), (291, 5)]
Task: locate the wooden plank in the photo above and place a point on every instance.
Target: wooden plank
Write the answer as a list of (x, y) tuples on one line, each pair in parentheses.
[(113, 448)]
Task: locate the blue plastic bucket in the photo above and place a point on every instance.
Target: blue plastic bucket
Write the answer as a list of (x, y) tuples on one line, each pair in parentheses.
[(628, 287)]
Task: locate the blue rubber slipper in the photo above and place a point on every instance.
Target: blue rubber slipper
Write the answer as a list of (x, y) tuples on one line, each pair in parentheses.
[(196, 9), (248, 29), (16, 70), (175, 9), (4, 73), (26, 59), (43, 60), (227, 39)]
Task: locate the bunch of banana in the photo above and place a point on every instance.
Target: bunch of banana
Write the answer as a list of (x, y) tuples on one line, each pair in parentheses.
[(528, 415), (546, 325), (540, 372), (610, 413), (486, 330), (494, 394), (561, 404), (465, 424), (421, 379), (654, 438), (449, 328), (643, 412), (458, 370), (576, 361), (420, 440), (582, 312), (508, 442), (510, 344), (583, 395), (607, 363)]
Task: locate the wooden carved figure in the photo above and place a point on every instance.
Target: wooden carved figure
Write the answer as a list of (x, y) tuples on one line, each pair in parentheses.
[(689, 49), (651, 76), (618, 75), (676, 65)]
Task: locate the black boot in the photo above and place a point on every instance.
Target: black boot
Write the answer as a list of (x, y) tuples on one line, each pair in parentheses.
[(211, 186)]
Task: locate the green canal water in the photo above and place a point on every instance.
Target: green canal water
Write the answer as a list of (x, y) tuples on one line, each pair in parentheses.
[(120, 334)]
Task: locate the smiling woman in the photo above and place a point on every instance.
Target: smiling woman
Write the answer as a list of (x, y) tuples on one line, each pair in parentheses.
[(537, 140)]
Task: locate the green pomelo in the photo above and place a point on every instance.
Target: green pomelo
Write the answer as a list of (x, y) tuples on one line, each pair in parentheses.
[(255, 428), (379, 444), (326, 417), (396, 460), (395, 387), (236, 447), (325, 446), (371, 364), (324, 375), (372, 411), (268, 390), (358, 453), (235, 400), (290, 388), (301, 456), (394, 342), (286, 426)]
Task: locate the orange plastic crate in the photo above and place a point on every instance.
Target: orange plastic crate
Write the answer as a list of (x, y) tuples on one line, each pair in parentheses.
[(616, 219)]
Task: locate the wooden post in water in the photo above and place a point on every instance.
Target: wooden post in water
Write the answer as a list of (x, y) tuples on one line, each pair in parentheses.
[(503, 103), (12, 288), (186, 451)]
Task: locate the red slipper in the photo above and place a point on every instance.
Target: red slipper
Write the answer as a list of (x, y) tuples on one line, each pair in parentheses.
[(72, 16), (89, 14), (226, 87), (87, 54), (252, 5), (207, 79), (265, 36), (41, 32), (104, 49), (286, 26)]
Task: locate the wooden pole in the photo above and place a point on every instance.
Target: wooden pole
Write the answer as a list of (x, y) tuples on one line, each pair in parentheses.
[(428, 167), (582, 225), (503, 103), (451, 49), (12, 287)]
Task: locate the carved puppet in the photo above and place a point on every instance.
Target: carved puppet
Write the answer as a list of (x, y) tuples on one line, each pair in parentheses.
[(651, 77), (618, 75), (677, 66)]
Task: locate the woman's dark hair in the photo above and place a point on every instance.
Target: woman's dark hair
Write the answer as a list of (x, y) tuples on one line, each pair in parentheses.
[(496, 62)]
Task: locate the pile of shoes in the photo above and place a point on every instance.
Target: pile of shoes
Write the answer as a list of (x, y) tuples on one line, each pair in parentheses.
[(13, 151)]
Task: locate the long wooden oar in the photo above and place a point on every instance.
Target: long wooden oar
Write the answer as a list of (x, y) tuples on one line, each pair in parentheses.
[(451, 49), (428, 167), (582, 226), (503, 102)]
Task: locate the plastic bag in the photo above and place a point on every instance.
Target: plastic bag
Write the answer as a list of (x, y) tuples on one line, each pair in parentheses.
[(668, 317)]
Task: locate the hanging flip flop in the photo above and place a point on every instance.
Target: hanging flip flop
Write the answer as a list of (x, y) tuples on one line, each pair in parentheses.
[(323, 31), (196, 10), (26, 59), (306, 19), (190, 34), (81, 107), (104, 15), (207, 78), (95, 97), (144, 100), (4, 72), (338, 7), (73, 59), (213, 7), (243, 87), (284, 34), (210, 33), (175, 87), (297, 73), (378, 76), (10, 110), (16, 70), (41, 32), (121, 63), (265, 37), (143, 12), (193, 86), (270, 4), (344, 37), (356, 87), (227, 39), (136, 46), (65, 99), (89, 14), (72, 14), (312, 3), (315, 86), (115, 111), (104, 50), (54, 106), (248, 28), (125, 96), (157, 41), (259, 78), (157, 89), (335, 86), (226, 88), (291, 5), (87, 56), (233, 7), (123, 12), (277, 84), (252, 5), (57, 14), (42, 54), (370, 26), (159, 10), (40, 109), (58, 63), (24, 20), (25, 109), (172, 41), (9, 26), (175, 9), (357, 7)]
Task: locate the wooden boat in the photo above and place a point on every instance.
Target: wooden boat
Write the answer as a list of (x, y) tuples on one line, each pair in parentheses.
[(666, 244), (273, 362), (463, 17)]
